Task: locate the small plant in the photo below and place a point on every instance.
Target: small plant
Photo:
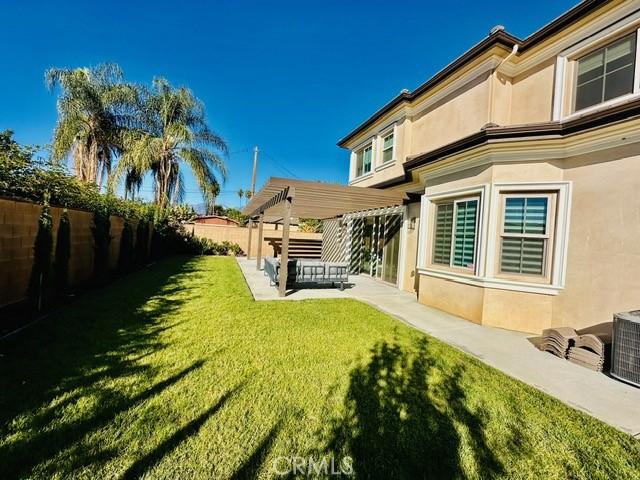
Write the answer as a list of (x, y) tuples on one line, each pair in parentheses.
[(125, 259), (40, 272), (310, 225), (231, 248), (101, 230), (62, 255)]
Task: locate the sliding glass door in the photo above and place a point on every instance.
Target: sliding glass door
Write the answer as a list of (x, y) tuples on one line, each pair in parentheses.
[(380, 246), (391, 248)]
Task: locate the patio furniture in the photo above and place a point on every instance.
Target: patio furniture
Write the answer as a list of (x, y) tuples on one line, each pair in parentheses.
[(303, 272)]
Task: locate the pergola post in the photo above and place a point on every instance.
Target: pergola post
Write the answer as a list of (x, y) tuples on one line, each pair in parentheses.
[(250, 227), (259, 255), (284, 254)]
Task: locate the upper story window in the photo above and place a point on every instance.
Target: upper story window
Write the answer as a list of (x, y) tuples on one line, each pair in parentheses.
[(387, 147), (606, 73), (363, 160)]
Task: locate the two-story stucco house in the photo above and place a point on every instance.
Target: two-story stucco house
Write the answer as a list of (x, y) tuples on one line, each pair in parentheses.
[(522, 158)]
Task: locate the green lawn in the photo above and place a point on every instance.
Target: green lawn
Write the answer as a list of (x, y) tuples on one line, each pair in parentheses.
[(175, 372)]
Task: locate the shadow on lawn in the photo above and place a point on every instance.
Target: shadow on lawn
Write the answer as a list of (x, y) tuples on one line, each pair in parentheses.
[(403, 416), (73, 355), (140, 466)]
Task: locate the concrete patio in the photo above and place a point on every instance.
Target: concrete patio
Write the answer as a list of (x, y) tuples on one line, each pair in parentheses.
[(609, 400)]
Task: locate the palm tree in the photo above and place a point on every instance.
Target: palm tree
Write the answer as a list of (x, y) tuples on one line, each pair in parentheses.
[(94, 108), (173, 132), (241, 195)]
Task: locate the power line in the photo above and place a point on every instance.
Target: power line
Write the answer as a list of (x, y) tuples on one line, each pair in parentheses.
[(279, 165)]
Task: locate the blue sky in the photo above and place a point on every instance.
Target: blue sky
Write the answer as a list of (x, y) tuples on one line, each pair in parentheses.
[(290, 77)]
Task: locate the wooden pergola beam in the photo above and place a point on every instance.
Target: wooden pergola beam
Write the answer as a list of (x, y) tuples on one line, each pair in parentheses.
[(272, 202), (319, 200)]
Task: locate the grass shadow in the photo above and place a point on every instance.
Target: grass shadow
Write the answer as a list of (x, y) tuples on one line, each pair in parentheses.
[(75, 354), (403, 417), (140, 466), (252, 466)]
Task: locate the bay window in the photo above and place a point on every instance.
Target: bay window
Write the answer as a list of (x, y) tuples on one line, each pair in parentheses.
[(526, 234), (455, 233)]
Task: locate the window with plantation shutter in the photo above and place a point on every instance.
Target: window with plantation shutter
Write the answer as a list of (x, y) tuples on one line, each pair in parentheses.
[(444, 226), (454, 242), (525, 234), (465, 234)]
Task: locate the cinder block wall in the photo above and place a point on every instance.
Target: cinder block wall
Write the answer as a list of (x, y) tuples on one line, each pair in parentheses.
[(18, 229), (240, 235)]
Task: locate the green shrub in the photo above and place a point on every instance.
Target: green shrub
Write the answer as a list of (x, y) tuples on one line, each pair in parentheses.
[(40, 272), (231, 248), (142, 243), (203, 246), (125, 259), (28, 178), (62, 255), (101, 230)]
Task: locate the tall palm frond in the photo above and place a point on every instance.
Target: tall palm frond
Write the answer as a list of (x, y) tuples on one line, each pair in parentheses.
[(95, 107), (173, 134)]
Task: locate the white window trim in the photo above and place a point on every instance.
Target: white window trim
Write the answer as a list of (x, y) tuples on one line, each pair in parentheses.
[(455, 201), (561, 80), (485, 275), (427, 209), (381, 136), (353, 169), (548, 235)]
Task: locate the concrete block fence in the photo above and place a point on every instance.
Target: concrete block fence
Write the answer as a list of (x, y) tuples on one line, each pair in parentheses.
[(18, 229)]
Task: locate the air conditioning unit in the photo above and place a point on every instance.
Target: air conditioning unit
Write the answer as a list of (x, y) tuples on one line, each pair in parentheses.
[(625, 355)]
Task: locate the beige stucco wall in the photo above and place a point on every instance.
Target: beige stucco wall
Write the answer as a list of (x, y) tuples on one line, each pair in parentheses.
[(603, 251), (409, 279), (604, 247), (459, 299), (458, 115), (532, 94)]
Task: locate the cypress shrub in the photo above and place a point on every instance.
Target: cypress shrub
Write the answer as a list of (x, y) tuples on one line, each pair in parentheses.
[(101, 230), (142, 243), (62, 255), (125, 260), (40, 272)]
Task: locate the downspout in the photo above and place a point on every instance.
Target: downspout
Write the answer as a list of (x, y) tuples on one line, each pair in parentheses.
[(495, 70)]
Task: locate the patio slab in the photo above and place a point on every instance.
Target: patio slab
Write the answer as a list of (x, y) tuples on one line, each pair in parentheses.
[(609, 400)]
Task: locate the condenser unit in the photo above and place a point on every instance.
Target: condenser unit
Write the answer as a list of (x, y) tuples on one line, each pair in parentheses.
[(625, 356)]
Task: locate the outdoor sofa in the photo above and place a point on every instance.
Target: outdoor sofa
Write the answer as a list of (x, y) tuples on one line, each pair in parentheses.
[(303, 272)]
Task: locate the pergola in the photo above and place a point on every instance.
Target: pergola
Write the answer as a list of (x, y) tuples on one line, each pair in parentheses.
[(285, 201)]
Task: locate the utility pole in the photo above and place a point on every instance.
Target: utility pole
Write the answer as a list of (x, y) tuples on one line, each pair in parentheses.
[(255, 170)]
